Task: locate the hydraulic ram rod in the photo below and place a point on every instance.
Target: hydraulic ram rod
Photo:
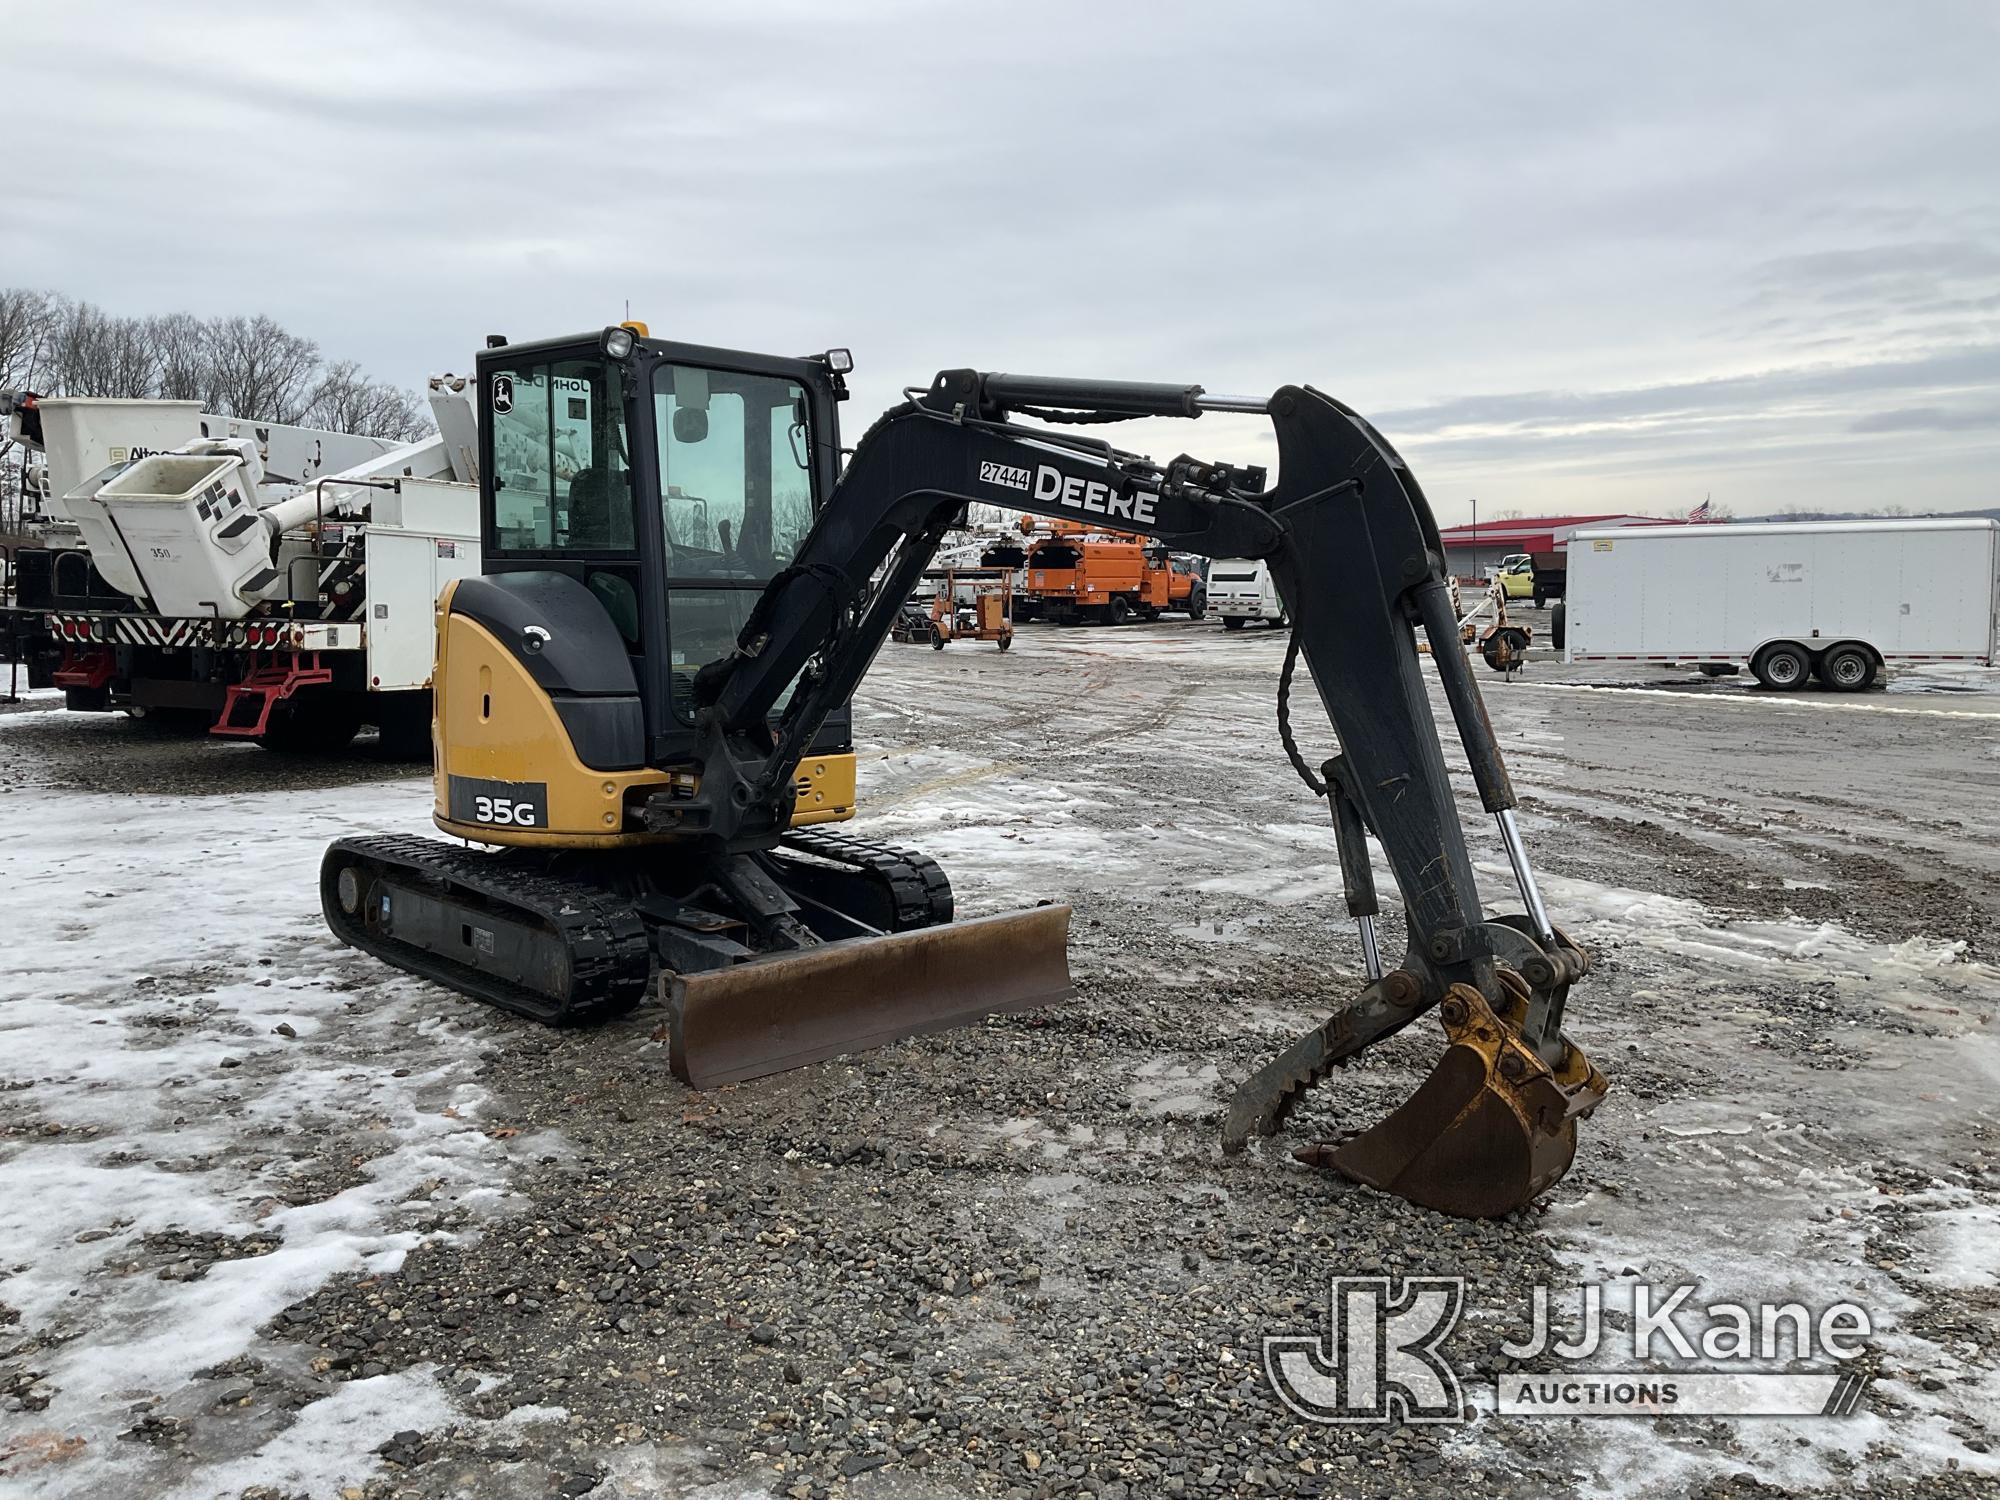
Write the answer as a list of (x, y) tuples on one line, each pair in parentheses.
[(1132, 398)]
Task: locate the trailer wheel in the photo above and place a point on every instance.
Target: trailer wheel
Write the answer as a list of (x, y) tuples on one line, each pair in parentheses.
[(938, 637), (1559, 625), (1783, 667), (1233, 622), (1847, 669), (1005, 641)]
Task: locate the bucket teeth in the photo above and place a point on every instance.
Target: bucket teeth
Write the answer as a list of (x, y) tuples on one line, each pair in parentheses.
[(1489, 1129)]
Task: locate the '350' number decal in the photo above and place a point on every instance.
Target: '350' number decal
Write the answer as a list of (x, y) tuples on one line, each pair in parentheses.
[(499, 804)]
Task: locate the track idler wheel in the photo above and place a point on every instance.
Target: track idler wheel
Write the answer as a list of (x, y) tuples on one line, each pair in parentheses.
[(1492, 1127)]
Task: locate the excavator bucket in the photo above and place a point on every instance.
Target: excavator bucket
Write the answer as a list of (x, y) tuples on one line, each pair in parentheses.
[(1491, 1128), (770, 1014)]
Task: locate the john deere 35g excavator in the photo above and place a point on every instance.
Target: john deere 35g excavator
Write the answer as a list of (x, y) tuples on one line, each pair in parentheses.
[(644, 702)]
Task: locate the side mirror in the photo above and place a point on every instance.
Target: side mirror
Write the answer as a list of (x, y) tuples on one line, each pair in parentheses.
[(690, 387), (690, 424)]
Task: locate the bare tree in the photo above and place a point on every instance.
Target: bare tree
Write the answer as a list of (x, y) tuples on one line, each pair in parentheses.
[(263, 372), (26, 319), (347, 401), (249, 367), (93, 353), (183, 357)]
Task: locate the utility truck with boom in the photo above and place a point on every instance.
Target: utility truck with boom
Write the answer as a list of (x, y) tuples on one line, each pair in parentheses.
[(276, 582), (643, 709)]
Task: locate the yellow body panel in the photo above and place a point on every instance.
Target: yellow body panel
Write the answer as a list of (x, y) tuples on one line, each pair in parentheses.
[(494, 723)]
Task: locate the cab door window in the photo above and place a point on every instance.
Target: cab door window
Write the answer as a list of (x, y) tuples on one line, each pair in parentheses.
[(561, 476), (736, 496)]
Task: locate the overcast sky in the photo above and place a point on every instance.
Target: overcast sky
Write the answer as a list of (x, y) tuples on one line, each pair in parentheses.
[(1568, 257)]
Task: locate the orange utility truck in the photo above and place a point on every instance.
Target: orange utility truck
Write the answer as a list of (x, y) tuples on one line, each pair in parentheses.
[(1071, 574)]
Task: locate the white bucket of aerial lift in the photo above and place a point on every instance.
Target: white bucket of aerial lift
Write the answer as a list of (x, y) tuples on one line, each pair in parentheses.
[(189, 523), (83, 435)]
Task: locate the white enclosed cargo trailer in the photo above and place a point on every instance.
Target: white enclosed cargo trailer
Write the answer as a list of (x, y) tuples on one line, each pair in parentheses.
[(1837, 600)]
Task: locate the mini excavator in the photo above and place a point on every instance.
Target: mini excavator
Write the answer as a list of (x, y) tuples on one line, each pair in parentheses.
[(643, 710)]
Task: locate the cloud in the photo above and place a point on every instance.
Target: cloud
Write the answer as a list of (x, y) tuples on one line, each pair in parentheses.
[(1761, 391), (1931, 419), (1556, 253)]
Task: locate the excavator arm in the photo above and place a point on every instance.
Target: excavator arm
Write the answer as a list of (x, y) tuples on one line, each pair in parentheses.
[(1354, 551)]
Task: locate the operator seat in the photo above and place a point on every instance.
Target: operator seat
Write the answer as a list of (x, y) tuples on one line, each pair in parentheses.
[(590, 509)]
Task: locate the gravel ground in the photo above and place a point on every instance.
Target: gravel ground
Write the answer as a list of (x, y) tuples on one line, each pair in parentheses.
[(1012, 1261)]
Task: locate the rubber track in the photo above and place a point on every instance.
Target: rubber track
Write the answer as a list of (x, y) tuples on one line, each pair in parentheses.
[(610, 957), (919, 889)]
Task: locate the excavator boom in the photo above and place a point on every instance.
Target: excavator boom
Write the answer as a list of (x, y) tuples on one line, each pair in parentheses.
[(1496, 1122)]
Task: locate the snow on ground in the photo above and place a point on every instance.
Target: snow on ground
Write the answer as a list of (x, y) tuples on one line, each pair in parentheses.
[(151, 947), (24, 699), (1784, 1195), (1784, 1201), (319, 1453)]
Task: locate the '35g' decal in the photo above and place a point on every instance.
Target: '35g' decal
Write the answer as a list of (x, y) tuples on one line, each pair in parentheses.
[(499, 804), (498, 810)]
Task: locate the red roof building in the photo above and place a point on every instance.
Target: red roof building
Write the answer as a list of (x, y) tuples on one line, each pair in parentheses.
[(1470, 550)]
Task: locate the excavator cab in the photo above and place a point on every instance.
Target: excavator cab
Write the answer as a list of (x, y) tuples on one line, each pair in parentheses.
[(667, 487)]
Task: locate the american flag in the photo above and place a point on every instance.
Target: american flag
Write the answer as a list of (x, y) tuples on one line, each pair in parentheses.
[(1700, 512)]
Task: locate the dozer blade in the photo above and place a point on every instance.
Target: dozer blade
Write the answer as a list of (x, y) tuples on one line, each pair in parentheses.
[(1490, 1128), (770, 1014)]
